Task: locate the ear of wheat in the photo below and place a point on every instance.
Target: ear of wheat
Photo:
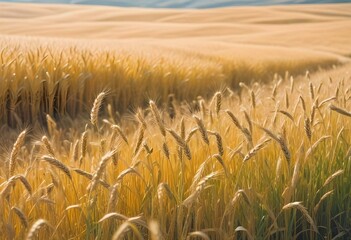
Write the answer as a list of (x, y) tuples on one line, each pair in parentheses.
[(58, 164), (202, 129), (15, 150), (340, 110), (36, 227), (157, 116), (96, 107)]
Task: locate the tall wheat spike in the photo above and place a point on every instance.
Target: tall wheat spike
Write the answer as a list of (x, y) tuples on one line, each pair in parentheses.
[(96, 107), (47, 145), (139, 139), (218, 100), (21, 216), (182, 143), (157, 116), (15, 150), (202, 129)]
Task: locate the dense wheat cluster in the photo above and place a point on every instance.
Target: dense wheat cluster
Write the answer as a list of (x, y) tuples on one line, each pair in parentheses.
[(63, 79), (253, 162)]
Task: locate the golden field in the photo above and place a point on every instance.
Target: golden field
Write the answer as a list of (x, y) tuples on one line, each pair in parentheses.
[(229, 123)]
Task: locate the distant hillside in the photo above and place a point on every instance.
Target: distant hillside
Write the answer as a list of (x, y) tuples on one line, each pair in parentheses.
[(182, 3)]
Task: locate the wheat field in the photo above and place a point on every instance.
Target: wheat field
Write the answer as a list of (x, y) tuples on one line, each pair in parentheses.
[(115, 142), (259, 162)]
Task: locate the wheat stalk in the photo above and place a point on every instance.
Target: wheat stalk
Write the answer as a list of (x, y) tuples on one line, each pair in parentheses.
[(120, 132), (157, 116), (101, 168), (181, 143), (47, 145), (84, 143), (287, 114), (287, 103), (254, 150), (301, 208), (202, 129), (24, 181), (234, 119), (253, 99), (165, 150), (21, 216), (170, 107), (248, 120), (190, 134), (218, 100), (311, 90), (36, 227), (307, 127), (58, 164), (90, 177), (75, 151), (15, 150), (139, 139), (52, 126), (340, 110), (303, 104), (96, 107), (219, 142), (112, 202), (141, 119)]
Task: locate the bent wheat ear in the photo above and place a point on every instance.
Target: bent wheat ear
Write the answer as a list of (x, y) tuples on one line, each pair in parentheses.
[(90, 177), (190, 134), (340, 110), (300, 207), (35, 228), (254, 150), (23, 180), (58, 164), (181, 143), (21, 216), (198, 234), (202, 129), (287, 114)]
